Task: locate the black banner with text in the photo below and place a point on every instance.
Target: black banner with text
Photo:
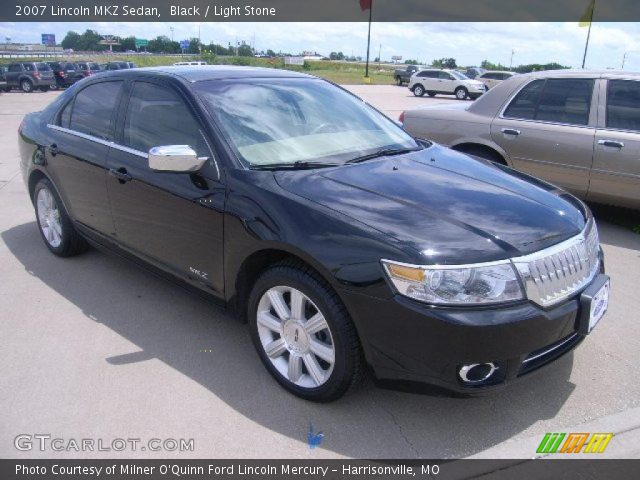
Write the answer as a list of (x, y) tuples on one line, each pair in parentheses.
[(319, 10), (316, 469)]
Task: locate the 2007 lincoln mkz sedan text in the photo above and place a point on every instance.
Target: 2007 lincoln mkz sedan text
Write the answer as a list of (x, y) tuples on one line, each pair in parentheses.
[(343, 242)]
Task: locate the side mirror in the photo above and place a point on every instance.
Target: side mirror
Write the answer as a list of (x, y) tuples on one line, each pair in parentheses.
[(175, 158)]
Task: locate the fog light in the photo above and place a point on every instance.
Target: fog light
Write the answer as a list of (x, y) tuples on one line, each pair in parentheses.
[(475, 373)]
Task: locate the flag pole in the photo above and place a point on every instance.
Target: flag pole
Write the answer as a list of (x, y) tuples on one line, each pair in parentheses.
[(586, 47), (366, 70)]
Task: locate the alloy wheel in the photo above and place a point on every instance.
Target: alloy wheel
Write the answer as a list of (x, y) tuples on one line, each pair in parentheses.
[(295, 337), (49, 217)]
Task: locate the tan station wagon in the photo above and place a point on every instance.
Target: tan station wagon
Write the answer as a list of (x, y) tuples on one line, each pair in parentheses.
[(577, 129)]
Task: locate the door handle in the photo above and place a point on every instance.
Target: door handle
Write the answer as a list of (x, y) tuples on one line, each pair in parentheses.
[(611, 143), (53, 149), (121, 174), (511, 131)]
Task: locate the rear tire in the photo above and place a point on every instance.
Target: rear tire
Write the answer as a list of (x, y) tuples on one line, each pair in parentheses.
[(314, 350), (26, 86), (418, 90), (399, 81), (461, 93), (54, 223)]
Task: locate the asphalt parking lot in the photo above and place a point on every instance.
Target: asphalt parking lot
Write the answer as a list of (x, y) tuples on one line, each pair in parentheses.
[(94, 347)]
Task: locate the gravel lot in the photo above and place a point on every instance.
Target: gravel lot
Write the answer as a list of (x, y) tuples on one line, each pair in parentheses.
[(93, 347)]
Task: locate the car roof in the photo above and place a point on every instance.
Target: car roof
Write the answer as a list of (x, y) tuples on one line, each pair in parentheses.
[(197, 73), (583, 73)]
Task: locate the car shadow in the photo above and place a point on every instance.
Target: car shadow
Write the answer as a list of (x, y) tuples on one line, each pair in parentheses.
[(615, 226), (205, 344)]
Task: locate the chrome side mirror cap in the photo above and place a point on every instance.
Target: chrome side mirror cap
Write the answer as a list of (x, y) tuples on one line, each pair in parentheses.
[(175, 158)]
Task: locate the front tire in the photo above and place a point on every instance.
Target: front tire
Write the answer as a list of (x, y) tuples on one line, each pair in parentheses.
[(26, 86), (461, 93), (54, 223), (418, 90), (303, 333), (399, 81)]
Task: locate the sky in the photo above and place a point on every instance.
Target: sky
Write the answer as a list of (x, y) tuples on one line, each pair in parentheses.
[(468, 43)]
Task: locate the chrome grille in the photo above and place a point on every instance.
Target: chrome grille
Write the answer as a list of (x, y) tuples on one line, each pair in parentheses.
[(556, 273)]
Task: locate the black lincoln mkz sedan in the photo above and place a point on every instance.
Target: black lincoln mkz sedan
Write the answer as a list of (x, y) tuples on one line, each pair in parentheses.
[(345, 243)]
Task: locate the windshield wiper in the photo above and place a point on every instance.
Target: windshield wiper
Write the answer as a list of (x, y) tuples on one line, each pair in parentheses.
[(383, 153), (299, 165)]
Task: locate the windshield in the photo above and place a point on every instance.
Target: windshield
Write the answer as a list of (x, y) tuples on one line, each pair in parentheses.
[(458, 75), (284, 121)]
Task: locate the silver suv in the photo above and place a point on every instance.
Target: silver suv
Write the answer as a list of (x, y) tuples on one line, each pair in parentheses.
[(447, 82)]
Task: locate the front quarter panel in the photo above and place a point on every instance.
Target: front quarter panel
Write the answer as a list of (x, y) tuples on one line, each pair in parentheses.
[(261, 216)]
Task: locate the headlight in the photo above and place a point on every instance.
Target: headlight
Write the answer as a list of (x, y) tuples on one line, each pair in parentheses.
[(444, 285)]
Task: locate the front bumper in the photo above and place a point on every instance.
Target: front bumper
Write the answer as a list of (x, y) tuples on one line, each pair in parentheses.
[(405, 340)]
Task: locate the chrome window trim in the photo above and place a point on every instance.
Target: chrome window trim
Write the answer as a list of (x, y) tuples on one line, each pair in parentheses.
[(108, 143), (122, 148)]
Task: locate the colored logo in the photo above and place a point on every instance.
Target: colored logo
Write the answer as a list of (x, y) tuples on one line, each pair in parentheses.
[(574, 443), (314, 439)]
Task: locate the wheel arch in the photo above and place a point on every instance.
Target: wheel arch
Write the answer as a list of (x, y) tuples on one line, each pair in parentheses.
[(259, 261), (34, 177), (478, 143)]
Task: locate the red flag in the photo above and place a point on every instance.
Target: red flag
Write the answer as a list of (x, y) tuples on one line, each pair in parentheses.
[(365, 5)]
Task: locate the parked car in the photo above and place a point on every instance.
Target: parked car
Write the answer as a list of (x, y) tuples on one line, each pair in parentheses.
[(447, 82), (29, 76), (493, 78), (64, 72), (132, 65), (577, 129), (86, 69), (403, 75), (190, 63), (344, 240), (3, 79), (474, 72), (117, 66)]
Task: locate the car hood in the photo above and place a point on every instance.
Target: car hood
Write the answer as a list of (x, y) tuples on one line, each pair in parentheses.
[(449, 208)]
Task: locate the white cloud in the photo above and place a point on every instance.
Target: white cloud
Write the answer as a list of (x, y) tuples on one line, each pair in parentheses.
[(469, 43)]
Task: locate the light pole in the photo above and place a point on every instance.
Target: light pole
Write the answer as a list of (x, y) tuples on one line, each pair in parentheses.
[(171, 28), (511, 62), (624, 57)]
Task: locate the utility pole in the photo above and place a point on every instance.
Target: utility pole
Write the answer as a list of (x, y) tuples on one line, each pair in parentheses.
[(511, 62), (171, 28), (380, 55)]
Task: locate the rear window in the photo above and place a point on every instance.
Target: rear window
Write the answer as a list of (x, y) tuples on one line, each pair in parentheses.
[(43, 67)]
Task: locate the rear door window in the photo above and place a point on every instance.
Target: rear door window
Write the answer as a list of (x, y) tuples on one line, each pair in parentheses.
[(43, 67), (557, 100), (29, 67), (93, 109), (566, 101)]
